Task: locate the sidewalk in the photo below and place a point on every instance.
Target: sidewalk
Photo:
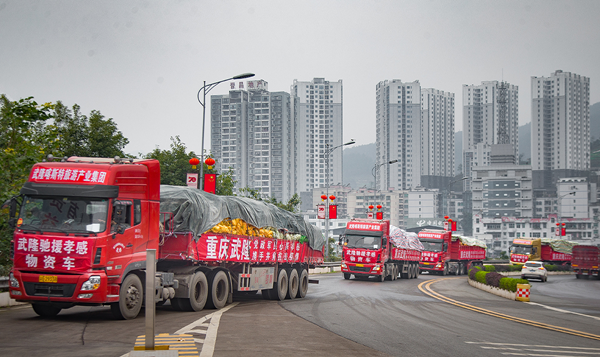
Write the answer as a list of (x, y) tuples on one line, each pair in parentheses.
[(264, 328)]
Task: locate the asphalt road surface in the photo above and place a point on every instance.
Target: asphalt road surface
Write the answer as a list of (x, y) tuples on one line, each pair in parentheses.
[(428, 316)]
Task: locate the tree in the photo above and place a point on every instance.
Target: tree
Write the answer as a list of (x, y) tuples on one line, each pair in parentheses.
[(225, 183), (292, 205), (174, 163)]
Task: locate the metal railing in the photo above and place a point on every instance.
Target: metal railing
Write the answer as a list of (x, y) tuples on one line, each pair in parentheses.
[(3, 282)]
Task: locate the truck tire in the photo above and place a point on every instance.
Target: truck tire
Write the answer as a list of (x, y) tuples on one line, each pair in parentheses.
[(293, 282), (45, 310), (347, 276), (131, 298), (198, 291), (414, 271), (445, 271), (457, 271), (578, 276), (177, 304), (407, 274), (382, 276), (394, 272), (303, 286), (281, 288), (218, 291)]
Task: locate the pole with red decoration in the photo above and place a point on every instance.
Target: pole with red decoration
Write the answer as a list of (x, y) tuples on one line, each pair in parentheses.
[(192, 177)]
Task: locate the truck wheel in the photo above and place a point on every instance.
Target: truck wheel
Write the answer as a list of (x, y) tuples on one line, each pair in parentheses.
[(303, 286), (198, 291), (414, 272), (177, 304), (578, 276), (131, 298), (292, 284), (347, 276), (445, 271), (219, 290), (405, 275), (45, 310), (395, 272), (281, 288)]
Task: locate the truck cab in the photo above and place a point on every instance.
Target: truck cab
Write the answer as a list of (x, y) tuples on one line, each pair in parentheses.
[(523, 250), (366, 248), (84, 224), (436, 251)]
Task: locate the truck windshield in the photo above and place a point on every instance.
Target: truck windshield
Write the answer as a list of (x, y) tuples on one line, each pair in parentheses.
[(520, 249), (432, 245), (63, 214), (364, 242)]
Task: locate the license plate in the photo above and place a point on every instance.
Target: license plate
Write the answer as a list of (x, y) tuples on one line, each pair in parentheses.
[(360, 265), (48, 279)]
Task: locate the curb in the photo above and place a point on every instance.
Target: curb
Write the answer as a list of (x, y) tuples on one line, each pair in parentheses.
[(493, 290)]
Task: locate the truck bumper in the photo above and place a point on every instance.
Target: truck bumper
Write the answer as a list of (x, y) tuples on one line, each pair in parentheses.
[(60, 288), (362, 269), (431, 266)]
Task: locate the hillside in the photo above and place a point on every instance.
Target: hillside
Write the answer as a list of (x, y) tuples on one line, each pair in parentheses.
[(358, 163)]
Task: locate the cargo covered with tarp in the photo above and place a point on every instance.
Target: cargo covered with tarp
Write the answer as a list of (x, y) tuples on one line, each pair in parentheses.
[(198, 211), (469, 241), (559, 245), (405, 240)]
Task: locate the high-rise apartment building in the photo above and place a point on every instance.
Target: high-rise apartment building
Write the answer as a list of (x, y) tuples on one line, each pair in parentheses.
[(490, 117), (319, 126), (415, 126), (253, 131), (560, 122)]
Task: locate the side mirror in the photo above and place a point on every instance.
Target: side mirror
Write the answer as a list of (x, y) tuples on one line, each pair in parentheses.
[(13, 206), (445, 246)]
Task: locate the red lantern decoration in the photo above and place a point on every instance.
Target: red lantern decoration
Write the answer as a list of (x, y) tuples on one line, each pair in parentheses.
[(379, 207), (332, 197), (446, 217), (323, 197), (209, 162), (194, 161), (370, 207), (564, 224), (558, 224)]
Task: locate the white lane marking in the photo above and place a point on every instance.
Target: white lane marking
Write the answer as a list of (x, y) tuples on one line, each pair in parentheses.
[(530, 346), (563, 311), (208, 347), (595, 353)]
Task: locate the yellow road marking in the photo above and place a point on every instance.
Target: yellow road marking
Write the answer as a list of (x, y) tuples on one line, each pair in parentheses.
[(425, 287)]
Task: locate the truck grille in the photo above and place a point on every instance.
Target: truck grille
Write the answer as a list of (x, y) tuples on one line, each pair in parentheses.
[(55, 290), (362, 269)]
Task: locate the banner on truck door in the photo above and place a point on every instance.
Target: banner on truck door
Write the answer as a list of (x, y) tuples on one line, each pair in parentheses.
[(431, 257), (54, 254), (360, 255)]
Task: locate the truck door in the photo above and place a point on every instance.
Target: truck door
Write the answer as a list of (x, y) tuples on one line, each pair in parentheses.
[(122, 235)]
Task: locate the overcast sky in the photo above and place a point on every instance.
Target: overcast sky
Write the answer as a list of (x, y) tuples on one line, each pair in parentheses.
[(143, 62)]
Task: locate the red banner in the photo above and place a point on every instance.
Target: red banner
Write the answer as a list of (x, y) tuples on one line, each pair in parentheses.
[(332, 211), (71, 175), (430, 257), (360, 255), (406, 254), (54, 254), (379, 215), (210, 183)]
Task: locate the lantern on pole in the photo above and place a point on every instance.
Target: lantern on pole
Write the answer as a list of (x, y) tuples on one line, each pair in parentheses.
[(323, 198), (209, 162), (332, 197), (194, 161), (563, 231)]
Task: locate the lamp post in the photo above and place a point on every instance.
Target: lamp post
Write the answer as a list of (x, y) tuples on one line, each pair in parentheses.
[(328, 152), (205, 89), (448, 190), (374, 173)]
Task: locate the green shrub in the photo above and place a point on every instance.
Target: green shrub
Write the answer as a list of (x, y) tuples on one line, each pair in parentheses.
[(512, 284), (515, 267), (480, 276), (550, 267), (489, 268), (473, 271), (504, 283)]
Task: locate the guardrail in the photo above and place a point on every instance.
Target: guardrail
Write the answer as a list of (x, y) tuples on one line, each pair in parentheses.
[(3, 282)]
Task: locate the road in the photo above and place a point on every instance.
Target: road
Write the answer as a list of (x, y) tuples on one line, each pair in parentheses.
[(341, 318)]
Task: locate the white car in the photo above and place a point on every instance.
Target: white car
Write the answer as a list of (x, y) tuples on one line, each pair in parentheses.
[(534, 270)]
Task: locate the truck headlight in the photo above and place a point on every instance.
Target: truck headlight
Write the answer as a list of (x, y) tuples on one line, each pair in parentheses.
[(92, 283), (13, 281)]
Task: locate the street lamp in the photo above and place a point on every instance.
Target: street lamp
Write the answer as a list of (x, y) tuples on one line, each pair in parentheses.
[(328, 152), (374, 173), (205, 89), (448, 189), (558, 214)]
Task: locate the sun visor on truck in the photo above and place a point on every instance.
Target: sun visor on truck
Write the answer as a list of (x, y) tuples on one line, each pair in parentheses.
[(48, 189), (197, 211), (364, 233)]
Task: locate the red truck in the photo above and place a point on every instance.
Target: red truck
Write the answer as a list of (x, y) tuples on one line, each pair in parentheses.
[(369, 250), (547, 250), (585, 261), (85, 224), (447, 254)]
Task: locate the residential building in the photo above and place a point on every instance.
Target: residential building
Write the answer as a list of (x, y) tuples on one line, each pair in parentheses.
[(253, 132), (319, 127)]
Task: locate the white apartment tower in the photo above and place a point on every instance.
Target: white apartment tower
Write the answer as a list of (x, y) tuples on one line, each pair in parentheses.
[(437, 132), (398, 134), (319, 126), (253, 132), (560, 122), (490, 111), (415, 126)]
